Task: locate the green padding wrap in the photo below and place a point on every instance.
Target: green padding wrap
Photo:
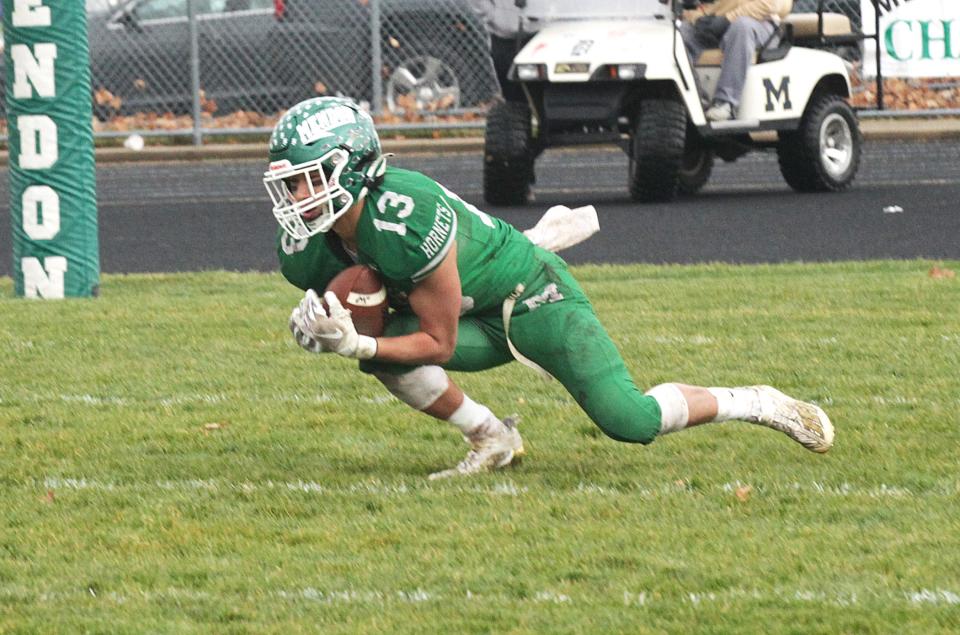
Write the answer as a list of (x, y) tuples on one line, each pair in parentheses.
[(53, 199)]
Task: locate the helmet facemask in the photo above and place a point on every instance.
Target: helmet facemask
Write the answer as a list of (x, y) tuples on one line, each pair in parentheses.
[(322, 180), (325, 152)]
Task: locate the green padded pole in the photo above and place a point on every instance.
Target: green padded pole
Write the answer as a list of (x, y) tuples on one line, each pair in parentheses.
[(53, 201)]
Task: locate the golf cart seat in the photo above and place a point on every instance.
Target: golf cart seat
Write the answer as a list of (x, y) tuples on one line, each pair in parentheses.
[(802, 29), (806, 26), (713, 57)]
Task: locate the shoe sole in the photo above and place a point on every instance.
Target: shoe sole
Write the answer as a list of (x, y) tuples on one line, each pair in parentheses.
[(509, 458), (811, 418), (512, 458)]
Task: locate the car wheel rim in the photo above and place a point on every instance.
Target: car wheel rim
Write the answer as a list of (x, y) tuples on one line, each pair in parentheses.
[(423, 83), (836, 145)]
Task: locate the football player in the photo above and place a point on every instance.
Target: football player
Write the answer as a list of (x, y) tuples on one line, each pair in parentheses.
[(470, 292)]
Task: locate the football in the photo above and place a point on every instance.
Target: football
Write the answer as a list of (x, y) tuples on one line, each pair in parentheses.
[(360, 289)]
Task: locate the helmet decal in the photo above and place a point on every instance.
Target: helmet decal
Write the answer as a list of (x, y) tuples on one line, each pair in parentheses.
[(318, 126)]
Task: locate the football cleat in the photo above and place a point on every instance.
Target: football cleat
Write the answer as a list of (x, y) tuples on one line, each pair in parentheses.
[(803, 422), (489, 452)]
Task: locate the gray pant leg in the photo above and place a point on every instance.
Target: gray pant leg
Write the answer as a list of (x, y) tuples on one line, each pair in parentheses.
[(694, 49), (739, 44), (690, 41)]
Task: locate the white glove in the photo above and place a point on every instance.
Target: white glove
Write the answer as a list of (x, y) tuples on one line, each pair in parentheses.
[(333, 332), (306, 342)]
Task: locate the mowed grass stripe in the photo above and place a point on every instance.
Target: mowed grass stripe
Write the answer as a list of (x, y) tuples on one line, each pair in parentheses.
[(172, 462)]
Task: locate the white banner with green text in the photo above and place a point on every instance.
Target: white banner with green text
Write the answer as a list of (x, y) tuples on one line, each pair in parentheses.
[(918, 38)]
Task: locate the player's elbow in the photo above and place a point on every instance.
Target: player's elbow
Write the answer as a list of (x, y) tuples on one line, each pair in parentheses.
[(443, 348), (444, 353), (442, 342)]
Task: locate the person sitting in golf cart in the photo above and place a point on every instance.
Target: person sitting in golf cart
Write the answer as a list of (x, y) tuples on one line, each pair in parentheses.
[(739, 28)]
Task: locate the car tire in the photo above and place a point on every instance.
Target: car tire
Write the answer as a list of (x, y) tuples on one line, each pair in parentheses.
[(823, 154), (433, 80), (695, 170), (508, 154), (656, 153)]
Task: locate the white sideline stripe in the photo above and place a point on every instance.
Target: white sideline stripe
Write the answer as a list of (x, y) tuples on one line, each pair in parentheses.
[(167, 401), (859, 596), (697, 340), (384, 397), (503, 488), (180, 400)]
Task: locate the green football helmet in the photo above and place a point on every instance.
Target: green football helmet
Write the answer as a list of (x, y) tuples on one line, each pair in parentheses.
[(324, 155)]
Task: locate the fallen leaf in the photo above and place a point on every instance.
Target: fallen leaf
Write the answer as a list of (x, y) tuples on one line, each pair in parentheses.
[(49, 497), (103, 97), (743, 493), (215, 426), (208, 106)]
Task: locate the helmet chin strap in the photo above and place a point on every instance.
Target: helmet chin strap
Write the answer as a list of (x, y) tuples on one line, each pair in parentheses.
[(373, 175)]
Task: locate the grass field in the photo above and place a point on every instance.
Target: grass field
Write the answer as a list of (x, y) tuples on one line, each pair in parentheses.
[(172, 462)]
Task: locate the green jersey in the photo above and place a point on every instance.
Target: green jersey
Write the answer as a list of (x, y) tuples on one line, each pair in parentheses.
[(311, 263), (407, 227), (410, 223)]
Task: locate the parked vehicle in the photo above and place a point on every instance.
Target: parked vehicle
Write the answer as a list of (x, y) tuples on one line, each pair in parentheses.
[(434, 53), (264, 55), (140, 56)]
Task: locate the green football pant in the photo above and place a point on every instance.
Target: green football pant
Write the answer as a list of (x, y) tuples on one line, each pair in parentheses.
[(566, 339)]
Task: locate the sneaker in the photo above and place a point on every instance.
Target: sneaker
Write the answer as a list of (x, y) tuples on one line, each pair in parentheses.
[(489, 452), (803, 422), (720, 111)]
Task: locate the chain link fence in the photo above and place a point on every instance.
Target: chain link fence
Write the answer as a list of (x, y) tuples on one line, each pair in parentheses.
[(209, 66), (205, 67)]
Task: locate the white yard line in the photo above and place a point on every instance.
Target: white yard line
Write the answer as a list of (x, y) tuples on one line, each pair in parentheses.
[(500, 488), (848, 597), (380, 398)]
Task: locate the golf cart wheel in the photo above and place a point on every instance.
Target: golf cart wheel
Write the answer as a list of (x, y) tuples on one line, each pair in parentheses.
[(508, 154), (823, 155), (695, 170), (656, 155)]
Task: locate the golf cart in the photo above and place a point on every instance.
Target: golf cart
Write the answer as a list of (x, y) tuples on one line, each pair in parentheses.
[(617, 72)]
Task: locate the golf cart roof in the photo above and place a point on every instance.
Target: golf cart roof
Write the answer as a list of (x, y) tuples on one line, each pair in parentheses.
[(547, 11)]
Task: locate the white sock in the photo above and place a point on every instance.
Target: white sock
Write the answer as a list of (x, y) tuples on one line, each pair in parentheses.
[(736, 403), (472, 418)]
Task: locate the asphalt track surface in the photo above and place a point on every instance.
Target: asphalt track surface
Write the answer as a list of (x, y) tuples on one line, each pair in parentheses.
[(191, 216)]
